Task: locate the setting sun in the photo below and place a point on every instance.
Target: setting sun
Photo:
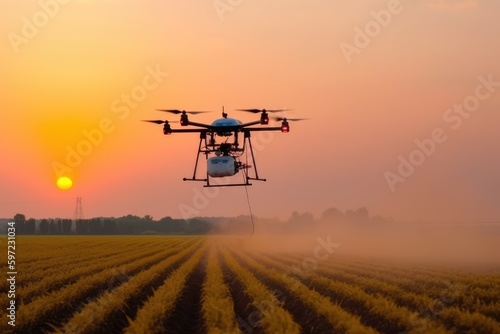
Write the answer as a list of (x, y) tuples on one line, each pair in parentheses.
[(64, 183)]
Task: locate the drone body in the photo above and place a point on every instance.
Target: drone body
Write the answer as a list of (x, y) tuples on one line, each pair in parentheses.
[(220, 143)]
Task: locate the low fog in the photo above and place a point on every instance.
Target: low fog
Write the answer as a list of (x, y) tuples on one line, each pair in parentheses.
[(357, 234)]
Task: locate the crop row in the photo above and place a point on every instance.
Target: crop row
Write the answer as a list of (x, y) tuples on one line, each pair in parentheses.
[(424, 308), (57, 303), (340, 319), (469, 290), (114, 302), (71, 273), (152, 315), (390, 316), (474, 297), (193, 284), (218, 305)]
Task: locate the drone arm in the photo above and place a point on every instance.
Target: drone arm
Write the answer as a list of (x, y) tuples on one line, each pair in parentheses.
[(250, 123), (273, 128), (187, 130), (201, 125)]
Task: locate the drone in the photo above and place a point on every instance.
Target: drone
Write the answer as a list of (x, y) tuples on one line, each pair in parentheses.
[(220, 143)]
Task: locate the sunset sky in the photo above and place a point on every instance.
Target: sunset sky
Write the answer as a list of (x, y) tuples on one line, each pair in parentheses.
[(403, 99)]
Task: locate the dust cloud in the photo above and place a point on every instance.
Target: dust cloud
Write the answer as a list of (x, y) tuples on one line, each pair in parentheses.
[(473, 245)]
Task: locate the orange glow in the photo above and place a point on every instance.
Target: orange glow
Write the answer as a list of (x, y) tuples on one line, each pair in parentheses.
[(75, 89)]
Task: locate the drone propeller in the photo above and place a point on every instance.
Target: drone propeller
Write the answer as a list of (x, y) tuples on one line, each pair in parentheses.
[(256, 111), (177, 111), (158, 121), (279, 119)]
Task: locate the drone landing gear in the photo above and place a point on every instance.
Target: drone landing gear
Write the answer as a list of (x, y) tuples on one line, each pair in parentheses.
[(240, 167), (203, 138), (248, 139)]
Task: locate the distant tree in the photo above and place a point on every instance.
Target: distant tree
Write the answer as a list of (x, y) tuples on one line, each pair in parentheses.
[(94, 226), (82, 226), (301, 218), (361, 215), (332, 215), (30, 226), (52, 226), (197, 226), (180, 226), (295, 217), (66, 226), (129, 224), (165, 225), (20, 220), (172, 226), (241, 224), (44, 226), (299, 223), (147, 223), (109, 226)]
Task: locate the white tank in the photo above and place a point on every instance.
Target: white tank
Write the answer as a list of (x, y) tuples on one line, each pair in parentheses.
[(221, 166)]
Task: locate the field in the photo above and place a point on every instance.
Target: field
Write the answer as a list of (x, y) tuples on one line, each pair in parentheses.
[(156, 284)]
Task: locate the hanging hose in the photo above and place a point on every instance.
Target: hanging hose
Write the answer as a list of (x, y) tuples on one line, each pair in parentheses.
[(245, 177), (250, 210)]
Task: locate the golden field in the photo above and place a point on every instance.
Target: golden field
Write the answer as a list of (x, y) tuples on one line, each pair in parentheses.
[(156, 284)]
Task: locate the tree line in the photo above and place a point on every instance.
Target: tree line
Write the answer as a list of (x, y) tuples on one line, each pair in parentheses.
[(132, 224), (129, 224)]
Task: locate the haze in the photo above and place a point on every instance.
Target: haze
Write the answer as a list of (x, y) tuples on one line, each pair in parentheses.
[(384, 132)]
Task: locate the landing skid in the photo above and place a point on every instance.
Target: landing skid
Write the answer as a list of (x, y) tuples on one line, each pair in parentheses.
[(206, 151)]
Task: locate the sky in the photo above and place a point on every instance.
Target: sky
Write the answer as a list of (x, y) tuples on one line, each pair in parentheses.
[(403, 101)]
